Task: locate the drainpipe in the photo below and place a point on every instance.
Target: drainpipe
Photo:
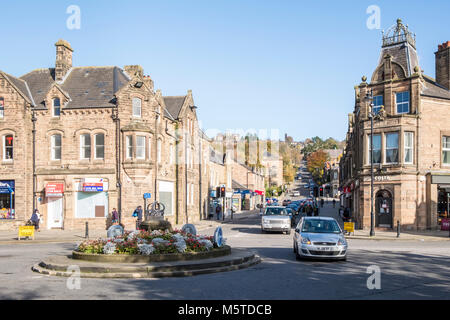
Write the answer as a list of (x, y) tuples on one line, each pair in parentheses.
[(115, 117), (33, 119)]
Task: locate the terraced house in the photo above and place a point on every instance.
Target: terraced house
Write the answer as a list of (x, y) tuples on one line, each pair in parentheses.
[(411, 139), (77, 142)]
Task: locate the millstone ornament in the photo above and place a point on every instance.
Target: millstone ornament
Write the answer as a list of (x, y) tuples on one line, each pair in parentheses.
[(114, 231), (189, 228), (218, 237)]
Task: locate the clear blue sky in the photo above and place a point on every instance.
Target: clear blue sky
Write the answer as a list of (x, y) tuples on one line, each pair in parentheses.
[(290, 65)]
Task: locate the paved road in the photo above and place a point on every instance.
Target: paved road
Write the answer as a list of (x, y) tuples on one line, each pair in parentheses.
[(409, 270)]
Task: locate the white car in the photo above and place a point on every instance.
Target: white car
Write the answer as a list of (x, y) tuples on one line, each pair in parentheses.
[(296, 194), (276, 218), (319, 238)]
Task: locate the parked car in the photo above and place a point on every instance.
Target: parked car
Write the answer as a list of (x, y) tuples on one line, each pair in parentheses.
[(296, 194), (319, 238), (286, 202), (276, 218)]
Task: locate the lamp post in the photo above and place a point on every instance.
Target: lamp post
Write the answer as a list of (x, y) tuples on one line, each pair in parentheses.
[(371, 115)]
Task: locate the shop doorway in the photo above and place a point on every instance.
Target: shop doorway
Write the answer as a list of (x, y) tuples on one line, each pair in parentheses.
[(55, 213), (383, 209)]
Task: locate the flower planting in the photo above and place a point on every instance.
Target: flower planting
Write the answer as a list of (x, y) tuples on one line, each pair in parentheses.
[(142, 242)]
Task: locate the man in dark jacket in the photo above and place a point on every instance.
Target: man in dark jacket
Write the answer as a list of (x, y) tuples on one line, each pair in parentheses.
[(138, 214)]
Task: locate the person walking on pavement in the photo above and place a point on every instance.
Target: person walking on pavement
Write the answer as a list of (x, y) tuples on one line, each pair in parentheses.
[(316, 210), (334, 203), (308, 210), (321, 202), (138, 214), (115, 217), (35, 220), (218, 211)]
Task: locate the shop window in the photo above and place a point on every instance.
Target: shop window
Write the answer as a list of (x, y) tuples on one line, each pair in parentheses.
[(409, 140), (446, 150), (8, 147), (129, 147), (137, 107), (7, 199), (140, 147), (376, 148), (85, 146), (402, 100), (392, 148), (2, 107), (99, 146), (56, 147), (56, 107), (91, 204)]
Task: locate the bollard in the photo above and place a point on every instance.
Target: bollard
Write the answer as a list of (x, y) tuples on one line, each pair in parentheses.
[(86, 235), (398, 229)]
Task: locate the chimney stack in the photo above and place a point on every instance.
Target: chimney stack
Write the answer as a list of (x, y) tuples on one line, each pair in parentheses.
[(443, 65), (63, 59)]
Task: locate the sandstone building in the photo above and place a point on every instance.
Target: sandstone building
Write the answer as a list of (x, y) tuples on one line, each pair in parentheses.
[(77, 142), (411, 140)]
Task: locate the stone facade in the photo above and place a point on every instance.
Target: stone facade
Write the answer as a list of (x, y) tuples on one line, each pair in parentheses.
[(103, 138), (410, 124)]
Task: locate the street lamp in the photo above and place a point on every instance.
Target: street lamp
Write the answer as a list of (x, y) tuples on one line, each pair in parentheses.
[(371, 115)]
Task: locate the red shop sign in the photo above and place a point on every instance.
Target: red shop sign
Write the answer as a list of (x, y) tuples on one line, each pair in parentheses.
[(54, 189)]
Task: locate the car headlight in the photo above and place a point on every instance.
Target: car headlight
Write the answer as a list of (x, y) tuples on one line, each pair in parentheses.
[(342, 242), (306, 241)]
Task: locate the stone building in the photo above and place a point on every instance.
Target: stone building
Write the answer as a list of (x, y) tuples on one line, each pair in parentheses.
[(411, 139), (80, 141), (274, 168)]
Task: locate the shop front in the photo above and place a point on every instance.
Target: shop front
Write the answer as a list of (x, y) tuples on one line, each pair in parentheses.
[(7, 199), (443, 199), (54, 192), (91, 198)]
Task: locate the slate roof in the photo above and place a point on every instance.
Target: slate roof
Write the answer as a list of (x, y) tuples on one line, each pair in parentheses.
[(87, 87), (432, 89), (174, 105), (21, 85)]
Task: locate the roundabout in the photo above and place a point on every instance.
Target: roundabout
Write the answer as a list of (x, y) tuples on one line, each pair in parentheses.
[(144, 254)]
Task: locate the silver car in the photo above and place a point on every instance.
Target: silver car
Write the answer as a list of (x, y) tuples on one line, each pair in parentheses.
[(276, 218), (319, 238)]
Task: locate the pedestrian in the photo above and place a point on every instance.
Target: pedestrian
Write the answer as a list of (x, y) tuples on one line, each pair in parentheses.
[(321, 202), (316, 211), (35, 219), (115, 217), (346, 214), (218, 210), (334, 203), (138, 214), (309, 210)]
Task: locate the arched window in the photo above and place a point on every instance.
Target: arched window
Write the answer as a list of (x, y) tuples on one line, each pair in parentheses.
[(2, 107), (99, 146), (85, 146), (56, 107), (56, 147), (137, 107)]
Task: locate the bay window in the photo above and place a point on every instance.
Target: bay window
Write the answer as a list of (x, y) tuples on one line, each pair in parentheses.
[(408, 147), (140, 147), (391, 148), (129, 147)]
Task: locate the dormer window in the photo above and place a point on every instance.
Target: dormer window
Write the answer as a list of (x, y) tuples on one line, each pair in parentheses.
[(2, 107), (137, 107), (56, 107)]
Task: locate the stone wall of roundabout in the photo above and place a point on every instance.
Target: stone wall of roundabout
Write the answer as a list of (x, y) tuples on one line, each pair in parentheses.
[(180, 264)]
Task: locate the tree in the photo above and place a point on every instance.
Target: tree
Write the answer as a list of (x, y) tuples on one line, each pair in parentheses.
[(316, 163)]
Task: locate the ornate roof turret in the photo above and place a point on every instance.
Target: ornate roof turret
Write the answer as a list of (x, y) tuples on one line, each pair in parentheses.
[(398, 33)]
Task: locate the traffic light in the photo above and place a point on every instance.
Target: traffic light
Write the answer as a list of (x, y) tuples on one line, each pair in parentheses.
[(321, 192), (218, 192), (222, 192)]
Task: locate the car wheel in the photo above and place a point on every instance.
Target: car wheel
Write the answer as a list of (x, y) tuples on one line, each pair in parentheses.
[(297, 256), (295, 248), (344, 259), (288, 232)]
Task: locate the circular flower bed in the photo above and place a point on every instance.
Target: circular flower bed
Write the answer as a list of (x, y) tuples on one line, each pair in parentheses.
[(149, 243)]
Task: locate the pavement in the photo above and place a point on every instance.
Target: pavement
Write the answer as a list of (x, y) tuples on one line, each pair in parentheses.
[(64, 236)]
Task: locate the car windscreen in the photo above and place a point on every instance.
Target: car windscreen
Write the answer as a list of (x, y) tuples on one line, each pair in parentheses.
[(275, 211), (320, 226)]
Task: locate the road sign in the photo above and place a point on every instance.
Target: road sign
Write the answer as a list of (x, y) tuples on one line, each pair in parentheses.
[(349, 227), (26, 231), (147, 195)]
